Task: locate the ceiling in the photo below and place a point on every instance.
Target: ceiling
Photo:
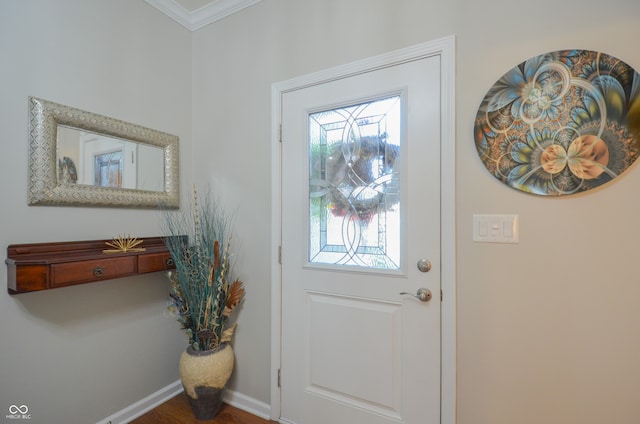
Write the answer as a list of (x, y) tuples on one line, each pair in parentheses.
[(194, 14)]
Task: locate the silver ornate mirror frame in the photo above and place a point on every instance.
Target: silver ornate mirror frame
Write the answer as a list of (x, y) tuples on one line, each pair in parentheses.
[(44, 187)]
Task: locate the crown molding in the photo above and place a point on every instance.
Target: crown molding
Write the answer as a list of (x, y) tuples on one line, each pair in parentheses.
[(203, 16)]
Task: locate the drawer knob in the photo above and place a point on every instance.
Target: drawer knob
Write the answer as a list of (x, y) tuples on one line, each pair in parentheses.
[(169, 262), (98, 271)]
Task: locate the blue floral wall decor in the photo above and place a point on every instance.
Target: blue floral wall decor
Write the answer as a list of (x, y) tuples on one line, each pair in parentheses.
[(561, 123)]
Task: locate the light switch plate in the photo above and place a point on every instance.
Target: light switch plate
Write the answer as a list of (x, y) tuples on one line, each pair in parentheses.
[(496, 228)]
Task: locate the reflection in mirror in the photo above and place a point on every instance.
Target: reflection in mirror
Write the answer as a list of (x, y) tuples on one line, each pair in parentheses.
[(97, 160), (78, 158)]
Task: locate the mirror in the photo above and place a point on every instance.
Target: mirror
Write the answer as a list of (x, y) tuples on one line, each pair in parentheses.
[(79, 158), (94, 159)]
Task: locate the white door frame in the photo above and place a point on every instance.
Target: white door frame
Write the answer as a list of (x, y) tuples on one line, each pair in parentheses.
[(445, 48)]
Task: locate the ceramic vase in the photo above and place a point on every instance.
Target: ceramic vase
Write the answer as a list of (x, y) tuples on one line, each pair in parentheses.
[(204, 375)]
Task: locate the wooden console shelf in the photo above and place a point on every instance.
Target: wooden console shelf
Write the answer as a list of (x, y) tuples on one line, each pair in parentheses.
[(44, 266)]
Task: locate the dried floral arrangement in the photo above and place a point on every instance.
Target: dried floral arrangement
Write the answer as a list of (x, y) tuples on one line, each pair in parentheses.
[(204, 292)]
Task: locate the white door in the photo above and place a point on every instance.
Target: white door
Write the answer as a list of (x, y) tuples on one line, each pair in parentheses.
[(360, 209)]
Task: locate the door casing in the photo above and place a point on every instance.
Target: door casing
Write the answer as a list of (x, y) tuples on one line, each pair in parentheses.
[(445, 48)]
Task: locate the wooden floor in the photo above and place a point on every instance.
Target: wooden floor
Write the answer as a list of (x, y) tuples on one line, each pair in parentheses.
[(178, 411)]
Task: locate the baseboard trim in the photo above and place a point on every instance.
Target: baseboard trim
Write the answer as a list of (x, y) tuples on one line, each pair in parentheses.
[(137, 409), (249, 404), (238, 400)]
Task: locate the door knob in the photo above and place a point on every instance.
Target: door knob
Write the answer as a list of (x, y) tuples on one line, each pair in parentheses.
[(424, 265), (423, 295)]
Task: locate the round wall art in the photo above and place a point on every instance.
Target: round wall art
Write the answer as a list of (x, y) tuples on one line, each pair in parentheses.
[(561, 123)]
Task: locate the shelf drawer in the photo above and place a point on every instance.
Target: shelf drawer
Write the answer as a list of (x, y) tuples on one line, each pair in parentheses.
[(65, 274), (155, 262), (31, 277)]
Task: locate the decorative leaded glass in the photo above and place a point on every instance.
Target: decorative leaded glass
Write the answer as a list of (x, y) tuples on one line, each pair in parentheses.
[(354, 185)]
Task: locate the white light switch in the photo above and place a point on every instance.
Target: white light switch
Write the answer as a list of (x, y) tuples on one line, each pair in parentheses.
[(496, 228), (483, 228), (507, 229)]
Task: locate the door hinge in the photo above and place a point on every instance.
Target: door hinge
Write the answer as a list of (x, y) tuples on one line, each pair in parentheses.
[(280, 255), (280, 135), (279, 378), (441, 295)]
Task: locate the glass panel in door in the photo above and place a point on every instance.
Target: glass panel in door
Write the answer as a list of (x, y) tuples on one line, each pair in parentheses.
[(354, 185)]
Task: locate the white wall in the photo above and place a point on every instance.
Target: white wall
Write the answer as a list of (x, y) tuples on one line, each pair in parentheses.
[(79, 354), (546, 328)]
